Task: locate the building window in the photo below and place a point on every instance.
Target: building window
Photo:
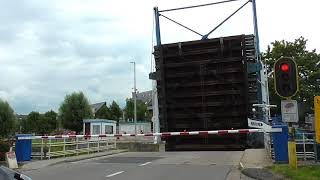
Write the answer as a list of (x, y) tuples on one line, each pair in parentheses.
[(108, 129), (95, 129)]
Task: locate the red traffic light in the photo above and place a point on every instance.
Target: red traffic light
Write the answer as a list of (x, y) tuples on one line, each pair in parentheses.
[(284, 67), (285, 77)]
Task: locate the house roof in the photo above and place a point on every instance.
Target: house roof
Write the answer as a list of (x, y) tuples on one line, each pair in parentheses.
[(132, 123), (145, 97), (97, 106), (99, 120), (21, 116)]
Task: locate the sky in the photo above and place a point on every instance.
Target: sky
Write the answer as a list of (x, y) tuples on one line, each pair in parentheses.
[(51, 48)]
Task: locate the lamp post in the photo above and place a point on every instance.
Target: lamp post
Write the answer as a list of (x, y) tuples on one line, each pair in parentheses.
[(135, 96)]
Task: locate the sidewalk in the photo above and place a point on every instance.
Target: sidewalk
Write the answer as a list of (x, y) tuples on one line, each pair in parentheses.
[(33, 165), (253, 163)]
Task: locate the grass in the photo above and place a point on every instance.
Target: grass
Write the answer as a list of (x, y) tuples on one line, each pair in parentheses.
[(302, 173)]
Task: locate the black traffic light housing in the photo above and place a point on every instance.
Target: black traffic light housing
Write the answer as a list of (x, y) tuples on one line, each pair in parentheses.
[(285, 77)]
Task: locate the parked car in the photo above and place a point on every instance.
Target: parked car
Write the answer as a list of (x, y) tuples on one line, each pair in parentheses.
[(9, 174)]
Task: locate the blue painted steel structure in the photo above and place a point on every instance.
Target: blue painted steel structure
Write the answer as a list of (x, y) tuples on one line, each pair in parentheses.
[(255, 24), (157, 23)]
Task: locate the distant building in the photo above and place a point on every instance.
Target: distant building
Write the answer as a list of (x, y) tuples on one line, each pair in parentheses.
[(128, 127), (95, 108), (145, 97), (99, 126), (21, 116)]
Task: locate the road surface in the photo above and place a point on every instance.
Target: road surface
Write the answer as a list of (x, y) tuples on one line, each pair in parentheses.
[(213, 165)]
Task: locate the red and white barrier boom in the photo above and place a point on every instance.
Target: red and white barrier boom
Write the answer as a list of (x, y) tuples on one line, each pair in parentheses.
[(266, 128)]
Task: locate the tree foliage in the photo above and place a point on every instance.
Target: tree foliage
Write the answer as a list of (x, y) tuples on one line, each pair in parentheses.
[(73, 110), (103, 113), (142, 113), (39, 123), (115, 111), (308, 63), (48, 122), (32, 123), (7, 119)]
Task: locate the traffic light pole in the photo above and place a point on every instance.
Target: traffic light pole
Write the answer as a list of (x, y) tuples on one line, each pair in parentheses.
[(317, 126), (286, 86)]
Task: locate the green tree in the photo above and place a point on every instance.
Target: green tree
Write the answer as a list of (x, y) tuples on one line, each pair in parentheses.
[(32, 123), (25, 128), (308, 63), (115, 111), (73, 110), (142, 113), (51, 118), (39, 123), (129, 109), (103, 113), (7, 119), (48, 122)]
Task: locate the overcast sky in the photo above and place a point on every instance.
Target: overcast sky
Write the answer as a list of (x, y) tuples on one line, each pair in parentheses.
[(50, 48)]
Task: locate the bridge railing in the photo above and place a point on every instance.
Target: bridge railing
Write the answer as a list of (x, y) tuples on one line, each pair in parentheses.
[(61, 147), (305, 145)]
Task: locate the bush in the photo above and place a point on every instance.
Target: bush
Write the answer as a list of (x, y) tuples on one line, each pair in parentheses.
[(4, 147)]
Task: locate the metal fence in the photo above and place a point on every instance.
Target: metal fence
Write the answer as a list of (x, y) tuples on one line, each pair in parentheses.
[(305, 146), (57, 147)]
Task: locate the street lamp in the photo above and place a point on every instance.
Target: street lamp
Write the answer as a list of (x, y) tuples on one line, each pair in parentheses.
[(135, 96)]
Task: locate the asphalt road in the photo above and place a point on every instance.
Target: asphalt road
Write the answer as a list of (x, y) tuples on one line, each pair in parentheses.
[(144, 166)]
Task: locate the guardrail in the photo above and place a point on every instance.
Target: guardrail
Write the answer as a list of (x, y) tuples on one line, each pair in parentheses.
[(56, 147), (305, 146)]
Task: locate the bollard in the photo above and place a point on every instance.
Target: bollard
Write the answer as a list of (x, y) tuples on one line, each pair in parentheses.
[(292, 153)]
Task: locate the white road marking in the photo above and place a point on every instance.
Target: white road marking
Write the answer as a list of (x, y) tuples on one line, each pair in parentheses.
[(241, 165), (110, 175), (145, 164)]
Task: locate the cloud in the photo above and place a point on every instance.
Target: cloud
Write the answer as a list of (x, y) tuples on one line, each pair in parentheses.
[(50, 48)]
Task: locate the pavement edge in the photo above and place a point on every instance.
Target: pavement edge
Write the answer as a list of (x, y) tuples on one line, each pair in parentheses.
[(74, 159), (242, 167)]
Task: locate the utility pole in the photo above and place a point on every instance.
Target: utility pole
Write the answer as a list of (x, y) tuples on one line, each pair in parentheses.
[(135, 96)]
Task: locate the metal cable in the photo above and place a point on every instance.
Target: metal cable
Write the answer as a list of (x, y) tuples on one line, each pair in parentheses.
[(181, 25), (227, 19), (201, 5)]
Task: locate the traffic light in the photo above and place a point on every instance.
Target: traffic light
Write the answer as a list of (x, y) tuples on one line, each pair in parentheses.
[(285, 77)]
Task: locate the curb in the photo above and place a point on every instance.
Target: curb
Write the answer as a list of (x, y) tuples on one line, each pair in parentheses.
[(260, 172), (74, 160)]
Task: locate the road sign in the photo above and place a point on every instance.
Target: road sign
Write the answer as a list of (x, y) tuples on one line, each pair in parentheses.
[(317, 117), (11, 160), (289, 111), (258, 124)]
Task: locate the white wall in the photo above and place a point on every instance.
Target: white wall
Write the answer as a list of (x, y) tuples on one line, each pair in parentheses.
[(129, 128), (102, 127)]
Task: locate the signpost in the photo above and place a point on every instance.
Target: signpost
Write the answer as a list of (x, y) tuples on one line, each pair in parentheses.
[(289, 111), (286, 86), (317, 123)]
